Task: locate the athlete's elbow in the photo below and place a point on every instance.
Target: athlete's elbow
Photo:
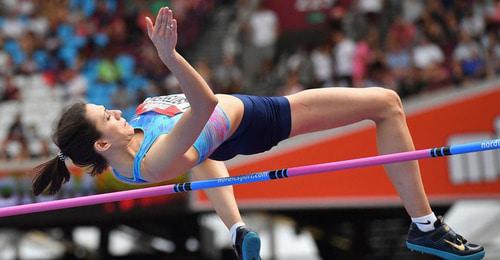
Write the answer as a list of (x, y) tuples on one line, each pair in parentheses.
[(213, 101), (209, 105)]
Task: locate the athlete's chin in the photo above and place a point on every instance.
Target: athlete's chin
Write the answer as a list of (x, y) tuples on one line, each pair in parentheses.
[(130, 130), (127, 126)]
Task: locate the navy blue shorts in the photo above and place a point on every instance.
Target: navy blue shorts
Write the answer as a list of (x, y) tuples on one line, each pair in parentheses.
[(266, 121)]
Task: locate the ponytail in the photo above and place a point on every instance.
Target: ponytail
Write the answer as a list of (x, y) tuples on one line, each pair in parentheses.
[(50, 176)]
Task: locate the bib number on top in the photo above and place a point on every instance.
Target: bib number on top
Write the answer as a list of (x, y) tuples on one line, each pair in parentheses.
[(170, 105)]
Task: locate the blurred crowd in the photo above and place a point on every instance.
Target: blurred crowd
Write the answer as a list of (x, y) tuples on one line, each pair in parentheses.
[(97, 50), (409, 46)]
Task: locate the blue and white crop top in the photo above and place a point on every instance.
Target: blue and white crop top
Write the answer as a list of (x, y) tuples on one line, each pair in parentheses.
[(158, 115)]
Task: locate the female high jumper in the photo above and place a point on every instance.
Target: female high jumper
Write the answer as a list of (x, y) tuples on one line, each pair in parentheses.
[(198, 130)]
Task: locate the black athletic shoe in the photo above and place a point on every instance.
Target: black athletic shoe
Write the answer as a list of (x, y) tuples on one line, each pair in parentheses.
[(442, 242), (247, 244)]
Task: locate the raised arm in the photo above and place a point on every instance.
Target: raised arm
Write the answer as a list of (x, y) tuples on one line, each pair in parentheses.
[(165, 154), (163, 34)]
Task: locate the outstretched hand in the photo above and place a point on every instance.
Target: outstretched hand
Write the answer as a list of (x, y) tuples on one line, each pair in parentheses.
[(163, 33)]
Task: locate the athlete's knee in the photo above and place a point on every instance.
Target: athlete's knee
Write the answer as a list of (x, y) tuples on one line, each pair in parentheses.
[(389, 104), (393, 101)]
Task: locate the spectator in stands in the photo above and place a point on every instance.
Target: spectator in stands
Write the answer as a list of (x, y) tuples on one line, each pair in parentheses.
[(121, 99), (491, 47), (10, 90), (412, 10), (5, 60), (108, 70), (13, 26), (473, 23), (74, 83), (399, 62), (27, 44), (432, 23), (343, 55), (354, 23), (451, 33), (37, 145), (493, 13), (15, 146), (322, 64), (268, 80), (403, 32), (38, 23), (292, 85), (300, 62), (228, 76), (429, 62), (362, 58), (193, 16), (379, 75), (467, 59), (372, 9), (262, 32)]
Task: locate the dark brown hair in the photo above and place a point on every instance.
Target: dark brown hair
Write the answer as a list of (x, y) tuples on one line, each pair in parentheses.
[(75, 136)]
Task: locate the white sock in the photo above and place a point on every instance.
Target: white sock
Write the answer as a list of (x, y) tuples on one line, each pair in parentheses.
[(233, 229), (425, 223)]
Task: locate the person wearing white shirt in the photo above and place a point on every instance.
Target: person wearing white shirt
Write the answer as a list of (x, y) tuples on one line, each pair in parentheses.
[(344, 54)]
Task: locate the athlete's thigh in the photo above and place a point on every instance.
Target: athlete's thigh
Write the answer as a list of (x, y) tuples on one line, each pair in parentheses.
[(325, 108)]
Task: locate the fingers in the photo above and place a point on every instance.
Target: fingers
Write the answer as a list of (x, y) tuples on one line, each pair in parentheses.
[(161, 26), (174, 25), (164, 21), (169, 16), (149, 25), (168, 19), (158, 20)]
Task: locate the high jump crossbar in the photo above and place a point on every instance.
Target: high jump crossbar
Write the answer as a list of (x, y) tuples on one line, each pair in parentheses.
[(251, 177)]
